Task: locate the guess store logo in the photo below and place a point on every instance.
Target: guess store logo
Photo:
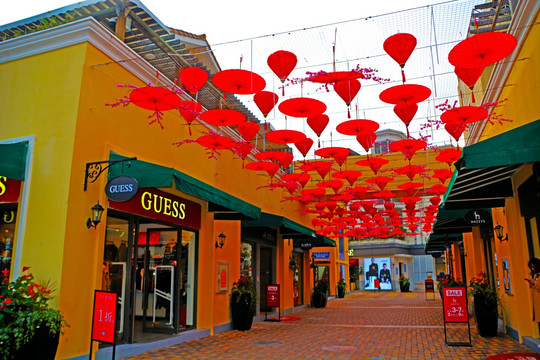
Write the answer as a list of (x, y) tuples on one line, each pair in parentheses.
[(9, 190)]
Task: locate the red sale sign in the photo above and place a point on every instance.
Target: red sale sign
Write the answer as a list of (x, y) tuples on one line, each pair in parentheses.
[(104, 316), (455, 304), (272, 295)]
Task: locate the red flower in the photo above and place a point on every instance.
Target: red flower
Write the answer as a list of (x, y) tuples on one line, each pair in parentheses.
[(7, 301), (25, 268)]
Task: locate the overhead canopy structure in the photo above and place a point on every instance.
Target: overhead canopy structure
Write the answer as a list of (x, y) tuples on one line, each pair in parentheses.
[(439, 242), (13, 160), (483, 175)]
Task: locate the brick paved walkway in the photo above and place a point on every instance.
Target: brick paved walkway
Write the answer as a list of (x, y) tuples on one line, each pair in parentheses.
[(363, 325)]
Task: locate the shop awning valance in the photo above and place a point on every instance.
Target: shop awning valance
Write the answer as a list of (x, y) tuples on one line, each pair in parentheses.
[(289, 229), (482, 178), (441, 241), (153, 175), (452, 221), (13, 160)]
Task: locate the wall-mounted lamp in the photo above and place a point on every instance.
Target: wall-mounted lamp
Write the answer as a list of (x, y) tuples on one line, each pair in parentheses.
[(499, 231), (97, 211), (221, 240)]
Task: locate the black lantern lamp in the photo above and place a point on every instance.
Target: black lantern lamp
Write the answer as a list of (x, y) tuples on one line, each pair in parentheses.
[(97, 211), (499, 231), (221, 240)]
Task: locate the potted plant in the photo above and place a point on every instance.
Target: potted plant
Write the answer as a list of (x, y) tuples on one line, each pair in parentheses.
[(341, 287), (293, 265), (320, 293), (404, 284), (447, 281), (485, 305), (29, 328), (243, 301)]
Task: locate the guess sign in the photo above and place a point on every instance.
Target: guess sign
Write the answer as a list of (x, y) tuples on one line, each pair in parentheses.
[(9, 190), (272, 295), (121, 188), (455, 304), (104, 316)]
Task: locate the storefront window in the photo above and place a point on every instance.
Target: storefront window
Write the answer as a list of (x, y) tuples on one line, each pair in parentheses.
[(298, 273), (246, 260), (7, 232)]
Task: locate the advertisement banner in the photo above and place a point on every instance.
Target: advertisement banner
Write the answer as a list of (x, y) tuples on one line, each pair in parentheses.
[(104, 316), (455, 304), (272, 295), (377, 274)]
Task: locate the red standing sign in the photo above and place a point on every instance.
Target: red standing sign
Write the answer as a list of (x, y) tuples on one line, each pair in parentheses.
[(455, 304), (104, 316), (272, 295)]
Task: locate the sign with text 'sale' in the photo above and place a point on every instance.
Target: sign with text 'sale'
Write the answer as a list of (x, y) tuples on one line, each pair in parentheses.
[(455, 304), (104, 316), (272, 295)]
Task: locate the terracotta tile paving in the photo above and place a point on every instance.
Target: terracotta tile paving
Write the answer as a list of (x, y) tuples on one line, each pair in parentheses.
[(363, 325)]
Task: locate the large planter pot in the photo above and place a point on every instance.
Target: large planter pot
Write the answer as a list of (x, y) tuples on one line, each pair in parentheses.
[(242, 312), (318, 300), (341, 292), (487, 318), (43, 345), (404, 288)]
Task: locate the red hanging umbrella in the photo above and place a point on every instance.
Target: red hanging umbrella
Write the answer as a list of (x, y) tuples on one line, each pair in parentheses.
[(389, 205), (190, 110), (406, 93), (265, 101), (321, 167), (359, 192), (469, 76), (347, 90), (350, 175), (400, 47), (285, 136), (384, 194), (380, 181), (464, 115), (318, 123), (290, 177), (303, 179), (270, 167), (357, 127), (455, 129), (282, 63), (366, 140), (410, 187), (411, 170), (155, 98), (304, 146), (408, 147), (482, 49), (442, 174), (193, 78), (216, 142), (406, 111), (302, 107), (335, 76), (238, 81), (242, 149), (339, 154), (435, 200), (333, 184), (223, 117), (449, 155), (283, 158), (248, 130), (374, 163), (437, 189), (315, 193)]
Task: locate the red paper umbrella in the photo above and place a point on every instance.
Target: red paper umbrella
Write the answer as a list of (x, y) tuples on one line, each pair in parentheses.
[(303, 179), (154, 98), (335, 76), (238, 81), (410, 199), (285, 136), (265, 101), (410, 187), (384, 194), (411, 170), (350, 175), (357, 127), (223, 117), (442, 174), (318, 123), (482, 49), (248, 130), (343, 197), (400, 48), (215, 142), (347, 90), (435, 200), (366, 140), (464, 115), (408, 146), (339, 154), (282, 63), (243, 149), (290, 177), (437, 189), (449, 156), (270, 167), (333, 184), (455, 129), (302, 107), (406, 93), (359, 191), (190, 110), (315, 192), (469, 76), (282, 157), (389, 205), (321, 167), (193, 78), (291, 186), (374, 163), (304, 145), (380, 181), (406, 111)]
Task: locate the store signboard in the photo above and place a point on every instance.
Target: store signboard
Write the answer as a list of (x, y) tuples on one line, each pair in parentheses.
[(9, 190), (306, 246), (272, 295), (455, 304), (322, 255), (477, 217), (159, 205), (121, 188), (104, 316), (430, 286)]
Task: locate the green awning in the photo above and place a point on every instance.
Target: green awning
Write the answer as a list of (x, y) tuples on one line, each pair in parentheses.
[(13, 160), (153, 175), (289, 229), (441, 241), (483, 175), (452, 221)]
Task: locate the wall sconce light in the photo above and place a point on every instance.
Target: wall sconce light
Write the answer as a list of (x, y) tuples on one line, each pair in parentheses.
[(97, 211), (499, 231), (221, 240)]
